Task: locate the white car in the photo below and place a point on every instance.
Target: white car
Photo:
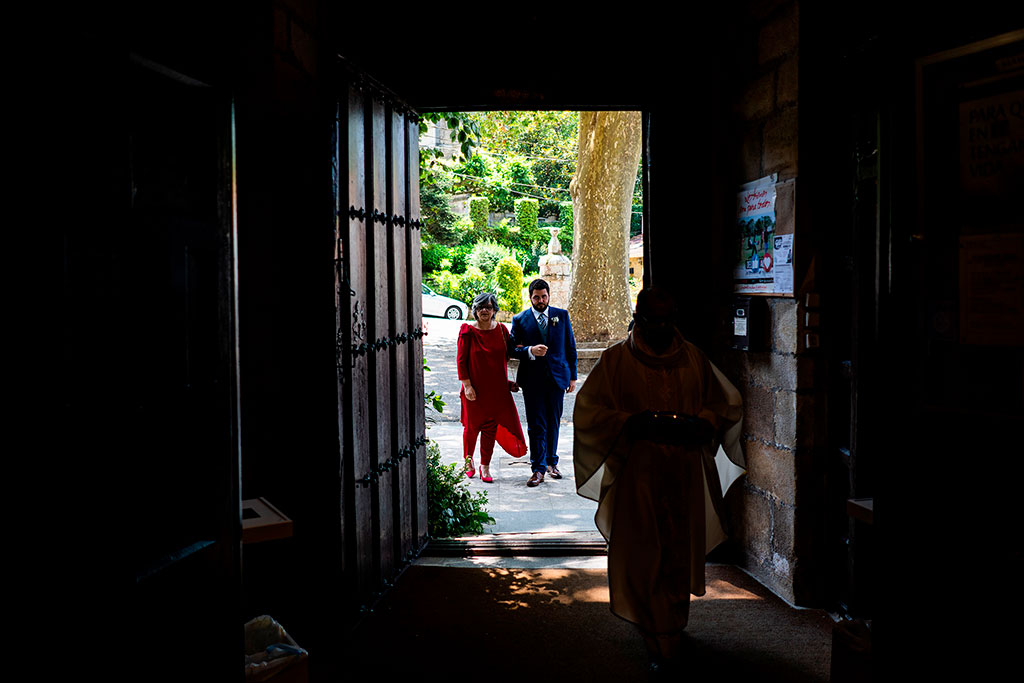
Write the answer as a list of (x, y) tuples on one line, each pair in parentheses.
[(443, 306)]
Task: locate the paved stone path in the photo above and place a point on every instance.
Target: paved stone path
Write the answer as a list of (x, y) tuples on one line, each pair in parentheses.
[(552, 506)]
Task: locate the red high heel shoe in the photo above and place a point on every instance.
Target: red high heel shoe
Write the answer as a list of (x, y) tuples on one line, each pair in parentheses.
[(486, 477), (470, 470)]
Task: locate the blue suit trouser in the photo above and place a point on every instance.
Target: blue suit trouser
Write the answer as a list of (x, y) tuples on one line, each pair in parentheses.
[(543, 415)]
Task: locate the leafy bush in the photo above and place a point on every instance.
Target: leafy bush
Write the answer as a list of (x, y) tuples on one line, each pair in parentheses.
[(486, 255), (437, 257), (444, 282), (526, 213), (459, 256), (515, 237), (451, 509), (471, 283), (479, 207), (463, 287), (432, 256), (509, 280)]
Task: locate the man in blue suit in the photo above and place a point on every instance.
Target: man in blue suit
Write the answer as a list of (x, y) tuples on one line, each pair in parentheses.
[(542, 340)]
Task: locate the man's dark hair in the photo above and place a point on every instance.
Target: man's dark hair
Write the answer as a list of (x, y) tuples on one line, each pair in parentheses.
[(539, 284)]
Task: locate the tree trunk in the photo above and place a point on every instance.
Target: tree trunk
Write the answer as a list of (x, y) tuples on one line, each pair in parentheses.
[(602, 200)]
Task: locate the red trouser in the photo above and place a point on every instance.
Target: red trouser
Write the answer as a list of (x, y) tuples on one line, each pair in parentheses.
[(487, 432)]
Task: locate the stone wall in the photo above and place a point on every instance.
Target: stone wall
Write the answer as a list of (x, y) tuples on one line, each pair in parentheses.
[(776, 375)]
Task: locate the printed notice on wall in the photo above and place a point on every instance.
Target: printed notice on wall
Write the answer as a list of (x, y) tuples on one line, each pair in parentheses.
[(992, 145), (782, 257), (992, 289), (760, 251)]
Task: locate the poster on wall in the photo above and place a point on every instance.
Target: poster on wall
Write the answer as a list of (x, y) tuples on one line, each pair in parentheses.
[(764, 263), (992, 289), (992, 146)]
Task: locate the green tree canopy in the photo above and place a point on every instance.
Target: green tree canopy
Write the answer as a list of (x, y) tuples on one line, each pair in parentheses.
[(532, 154)]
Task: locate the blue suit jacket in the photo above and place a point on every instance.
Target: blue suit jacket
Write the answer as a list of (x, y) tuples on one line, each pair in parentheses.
[(560, 361)]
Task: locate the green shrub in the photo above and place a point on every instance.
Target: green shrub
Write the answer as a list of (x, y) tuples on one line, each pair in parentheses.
[(526, 213), (443, 281), (437, 257), (451, 509), (459, 256), (463, 287), (479, 207), (509, 280), (486, 255), (473, 282), (432, 256), (517, 238)]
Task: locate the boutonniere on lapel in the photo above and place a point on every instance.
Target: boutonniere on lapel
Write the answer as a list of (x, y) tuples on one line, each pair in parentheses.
[(554, 320)]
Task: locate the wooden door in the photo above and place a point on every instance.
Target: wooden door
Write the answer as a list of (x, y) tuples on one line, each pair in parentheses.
[(170, 385), (379, 337), (854, 292)]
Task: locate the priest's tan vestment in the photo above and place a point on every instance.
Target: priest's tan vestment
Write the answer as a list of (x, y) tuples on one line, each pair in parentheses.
[(660, 506)]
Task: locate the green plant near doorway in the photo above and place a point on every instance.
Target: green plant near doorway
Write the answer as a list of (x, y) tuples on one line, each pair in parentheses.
[(452, 510)]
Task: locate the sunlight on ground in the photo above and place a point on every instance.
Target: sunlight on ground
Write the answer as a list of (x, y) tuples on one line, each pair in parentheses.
[(722, 590), (524, 586)]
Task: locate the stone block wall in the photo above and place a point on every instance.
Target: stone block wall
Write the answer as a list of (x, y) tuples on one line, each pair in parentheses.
[(770, 513)]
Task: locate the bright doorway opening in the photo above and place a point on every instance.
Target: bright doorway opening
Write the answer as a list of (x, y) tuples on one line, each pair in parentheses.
[(496, 202)]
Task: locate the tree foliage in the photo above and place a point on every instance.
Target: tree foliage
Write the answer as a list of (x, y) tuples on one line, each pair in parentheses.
[(462, 128), (439, 221), (543, 141), (506, 157)]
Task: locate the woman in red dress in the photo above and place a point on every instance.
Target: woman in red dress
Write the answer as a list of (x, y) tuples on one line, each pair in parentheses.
[(487, 406)]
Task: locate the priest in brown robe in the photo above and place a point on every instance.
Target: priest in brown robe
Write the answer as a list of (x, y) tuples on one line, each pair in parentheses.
[(656, 443)]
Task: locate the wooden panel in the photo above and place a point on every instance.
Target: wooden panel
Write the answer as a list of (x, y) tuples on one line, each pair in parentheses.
[(399, 322), (379, 322), (358, 440), (417, 419)]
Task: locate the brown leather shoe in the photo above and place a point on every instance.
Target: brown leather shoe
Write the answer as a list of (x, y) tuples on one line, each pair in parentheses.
[(536, 479), (553, 471)]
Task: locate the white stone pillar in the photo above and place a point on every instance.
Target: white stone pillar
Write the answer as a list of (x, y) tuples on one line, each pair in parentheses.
[(556, 269)]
